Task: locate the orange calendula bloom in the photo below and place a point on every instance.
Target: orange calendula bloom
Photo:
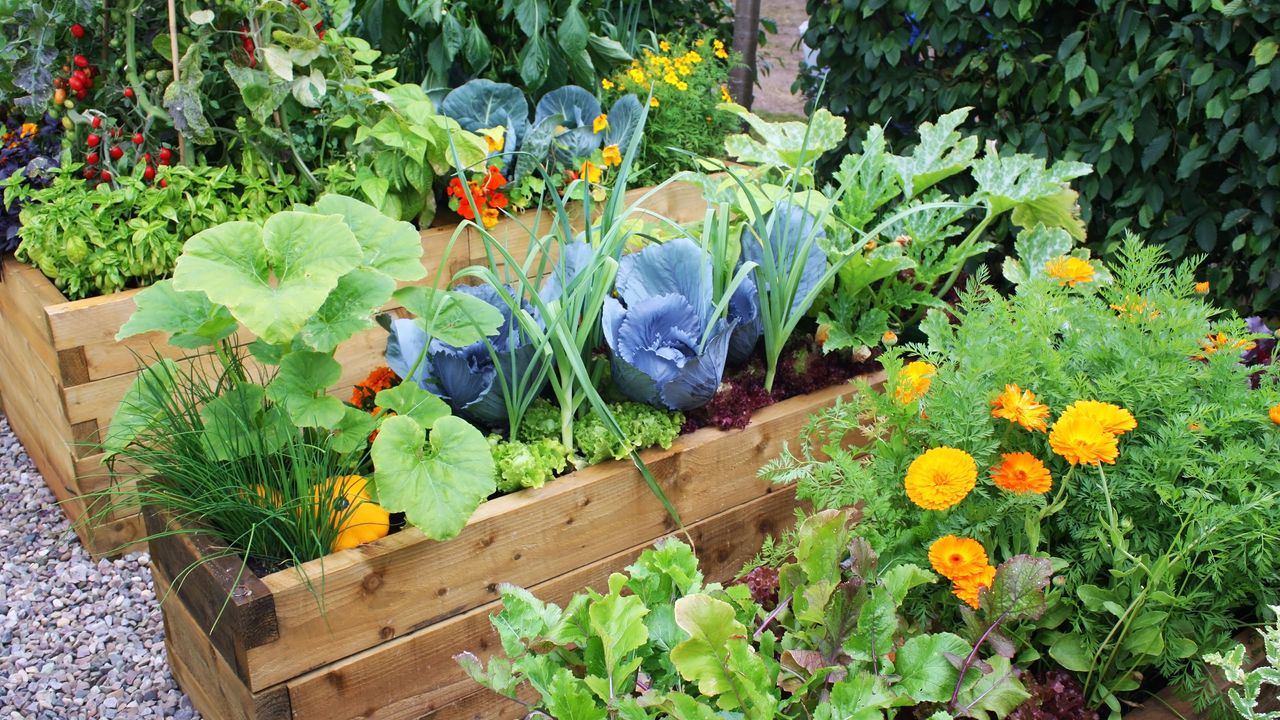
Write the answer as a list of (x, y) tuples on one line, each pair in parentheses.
[(914, 381), (600, 123), (1082, 440), (956, 557), (1202, 288), (1274, 414), (1113, 418), (1022, 472), (611, 156), (1020, 406), (1069, 270), (967, 589), (940, 478)]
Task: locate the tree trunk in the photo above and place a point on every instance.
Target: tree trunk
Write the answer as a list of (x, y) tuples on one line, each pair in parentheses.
[(746, 34)]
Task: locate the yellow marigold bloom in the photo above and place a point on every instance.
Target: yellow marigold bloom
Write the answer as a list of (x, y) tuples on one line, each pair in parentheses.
[(653, 102), (671, 78), (724, 94), (682, 86), (1274, 414), (699, 42), (1022, 472), (940, 478), (1134, 307), (967, 589), (590, 172), (1202, 288), (1069, 270), (1020, 406), (1113, 418), (914, 381), (636, 74), (956, 557), (600, 123), (664, 46), (612, 156), (1081, 440), (606, 83), (722, 54)]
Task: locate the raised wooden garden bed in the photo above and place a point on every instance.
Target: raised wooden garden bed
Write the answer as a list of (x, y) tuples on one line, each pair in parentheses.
[(396, 611), (62, 373)]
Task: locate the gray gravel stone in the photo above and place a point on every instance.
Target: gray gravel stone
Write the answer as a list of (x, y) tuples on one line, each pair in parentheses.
[(79, 639)]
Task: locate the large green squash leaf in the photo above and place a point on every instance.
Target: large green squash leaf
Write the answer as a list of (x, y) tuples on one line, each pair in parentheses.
[(271, 277), (300, 387), (239, 424), (348, 309), (189, 318), (790, 145), (453, 318), (438, 483), (390, 246)]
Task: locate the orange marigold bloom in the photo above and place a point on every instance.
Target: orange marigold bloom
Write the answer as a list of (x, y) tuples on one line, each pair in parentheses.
[(1113, 418), (940, 478), (1082, 440), (1069, 270), (1216, 342), (1022, 472), (914, 381), (381, 378), (956, 557), (1274, 414), (1202, 288), (1020, 406), (967, 588)]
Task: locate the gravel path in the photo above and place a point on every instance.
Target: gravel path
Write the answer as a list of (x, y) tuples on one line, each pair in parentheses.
[(79, 640)]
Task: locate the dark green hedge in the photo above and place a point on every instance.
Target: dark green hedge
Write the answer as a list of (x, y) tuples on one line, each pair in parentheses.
[(1173, 101)]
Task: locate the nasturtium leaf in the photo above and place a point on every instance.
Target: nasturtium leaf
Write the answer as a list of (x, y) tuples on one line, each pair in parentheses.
[(348, 309), (239, 424), (941, 153), (412, 401), (436, 483), (390, 246), (994, 694), (453, 318), (301, 387), (926, 674), (351, 433), (143, 405), (271, 277), (190, 319)]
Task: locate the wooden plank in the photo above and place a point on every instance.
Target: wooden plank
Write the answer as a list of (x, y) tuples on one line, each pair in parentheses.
[(35, 421), (406, 677), (201, 672), (380, 593)]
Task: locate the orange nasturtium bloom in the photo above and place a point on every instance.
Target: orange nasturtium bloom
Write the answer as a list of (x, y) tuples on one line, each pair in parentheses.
[(1082, 440), (956, 557), (1069, 270), (940, 478), (1020, 406), (914, 381), (967, 588), (1022, 472)]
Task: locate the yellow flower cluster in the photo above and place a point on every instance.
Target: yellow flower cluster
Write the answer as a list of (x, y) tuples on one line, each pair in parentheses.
[(665, 66)]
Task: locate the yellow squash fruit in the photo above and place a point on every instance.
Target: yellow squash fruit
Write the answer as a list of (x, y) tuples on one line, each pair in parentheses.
[(360, 520)]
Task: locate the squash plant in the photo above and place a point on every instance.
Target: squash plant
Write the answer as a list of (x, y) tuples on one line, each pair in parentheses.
[(302, 282)]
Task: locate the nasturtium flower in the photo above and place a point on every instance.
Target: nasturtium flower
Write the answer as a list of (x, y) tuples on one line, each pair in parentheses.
[(1113, 418), (590, 172), (1069, 270), (968, 588), (600, 123), (914, 381), (494, 138), (1080, 439), (1020, 406), (1202, 288), (1022, 472), (611, 156), (956, 557), (1274, 414), (940, 478)]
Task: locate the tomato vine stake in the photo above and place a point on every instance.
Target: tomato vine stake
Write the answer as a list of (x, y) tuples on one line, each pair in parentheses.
[(173, 60)]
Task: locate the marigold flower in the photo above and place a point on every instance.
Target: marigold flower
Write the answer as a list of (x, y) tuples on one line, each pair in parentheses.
[(1202, 288), (940, 478), (914, 381), (664, 46), (1069, 270), (607, 84), (1113, 418), (653, 102), (967, 589), (364, 392), (724, 94), (1020, 406), (611, 156), (1218, 341), (956, 557), (1134, 308), (1022, 472), (636, 75), (1080, 439), (1274, 414)]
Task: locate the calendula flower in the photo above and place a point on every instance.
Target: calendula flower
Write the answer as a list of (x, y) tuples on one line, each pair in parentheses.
[(1020, 406), (956, 557), (914, 381), (600, 123), (967, 589), (653, 102), (1274, 414), (1069, 270), (940, 478), (664, 46), (1202, 288), (1022, 472), (607, 84), (590, 172), (611, 156), (1081, 440), (1113, 418)]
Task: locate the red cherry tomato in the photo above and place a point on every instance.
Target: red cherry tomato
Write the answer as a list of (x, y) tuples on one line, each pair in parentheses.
[(138, 139), (91, 158), (116, 153), (77, 31), (96, 122), (128, 92), (93, 140)]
